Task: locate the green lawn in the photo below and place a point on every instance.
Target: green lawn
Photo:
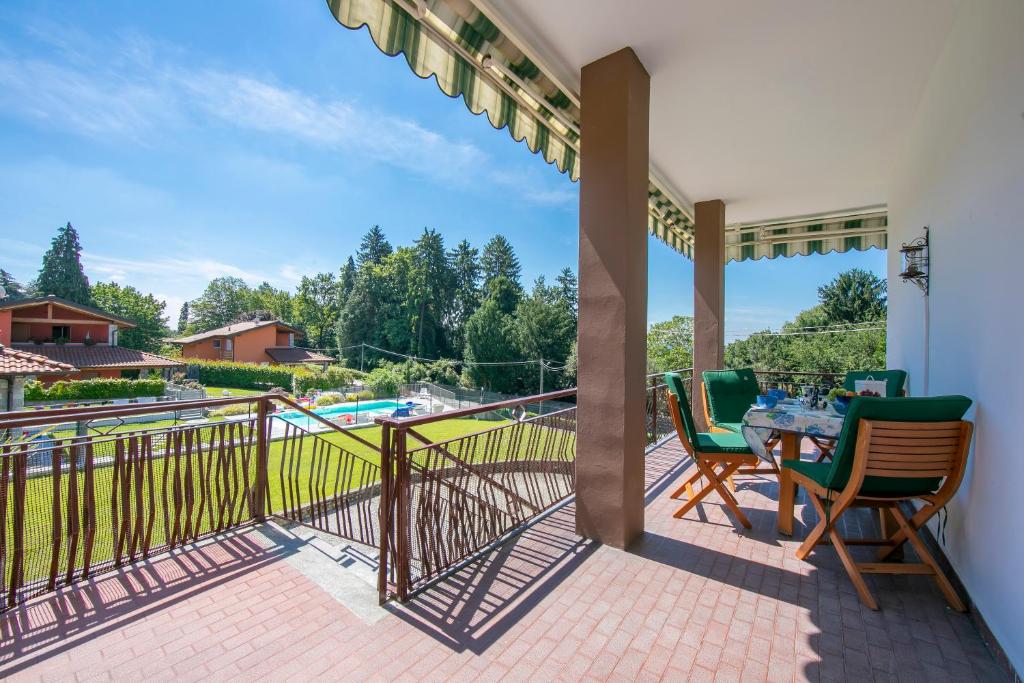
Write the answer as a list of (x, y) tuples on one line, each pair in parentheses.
[(218, 392), (296, 461)]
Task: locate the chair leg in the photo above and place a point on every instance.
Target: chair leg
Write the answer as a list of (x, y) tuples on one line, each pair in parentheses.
[(816, 535), (900, 537), (851, 568), (922, 552), (687, 486), (715, 482)]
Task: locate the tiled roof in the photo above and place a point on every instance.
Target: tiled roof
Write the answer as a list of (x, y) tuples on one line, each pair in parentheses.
[(234, 329), (57, 301), (294, 354), (18, 362), (99, 356)]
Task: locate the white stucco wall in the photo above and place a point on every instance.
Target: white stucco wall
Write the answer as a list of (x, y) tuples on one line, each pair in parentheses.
[(961, 172)]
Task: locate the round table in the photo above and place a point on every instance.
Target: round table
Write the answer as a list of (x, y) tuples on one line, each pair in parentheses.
[(793, 421)]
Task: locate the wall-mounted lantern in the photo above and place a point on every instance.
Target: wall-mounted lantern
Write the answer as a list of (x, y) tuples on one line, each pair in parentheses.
[(916, 262)]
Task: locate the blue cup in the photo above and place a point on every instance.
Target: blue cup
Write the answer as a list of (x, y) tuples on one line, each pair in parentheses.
[(766, 401)]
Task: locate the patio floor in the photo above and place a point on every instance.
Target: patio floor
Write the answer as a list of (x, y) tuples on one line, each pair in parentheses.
[(696, 599)]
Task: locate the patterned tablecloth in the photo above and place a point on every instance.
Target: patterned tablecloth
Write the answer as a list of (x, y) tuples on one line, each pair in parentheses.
[(758, 424)]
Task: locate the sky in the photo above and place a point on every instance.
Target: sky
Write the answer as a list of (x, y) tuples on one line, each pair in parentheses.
[(192, 140)]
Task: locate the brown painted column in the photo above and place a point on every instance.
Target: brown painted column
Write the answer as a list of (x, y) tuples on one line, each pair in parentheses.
[(615, 96), (708, 296)]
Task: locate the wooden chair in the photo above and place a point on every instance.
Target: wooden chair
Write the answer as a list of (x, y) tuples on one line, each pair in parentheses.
[(727, 395), (895, 386), (717, 455), (890, 450)]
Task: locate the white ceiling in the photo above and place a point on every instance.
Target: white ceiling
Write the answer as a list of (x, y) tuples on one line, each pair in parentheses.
[(778, 107)]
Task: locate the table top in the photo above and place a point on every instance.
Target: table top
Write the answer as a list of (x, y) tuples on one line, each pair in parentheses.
[(795, 417)]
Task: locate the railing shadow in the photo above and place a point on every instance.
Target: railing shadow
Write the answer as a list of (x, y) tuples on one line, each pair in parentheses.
[(61, 621)]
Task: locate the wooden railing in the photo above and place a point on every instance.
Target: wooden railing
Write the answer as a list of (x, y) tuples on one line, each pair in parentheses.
[(443, 502)]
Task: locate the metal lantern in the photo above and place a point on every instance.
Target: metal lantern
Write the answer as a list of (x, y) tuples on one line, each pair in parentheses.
[(915, 262)]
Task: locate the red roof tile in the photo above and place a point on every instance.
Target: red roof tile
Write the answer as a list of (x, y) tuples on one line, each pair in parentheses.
[(99, 356), (17, 362)]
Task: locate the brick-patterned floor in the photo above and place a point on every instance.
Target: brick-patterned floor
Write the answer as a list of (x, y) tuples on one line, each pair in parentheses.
[(697, 599)]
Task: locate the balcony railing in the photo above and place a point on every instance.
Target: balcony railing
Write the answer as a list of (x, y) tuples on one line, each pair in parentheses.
[(659, 420)]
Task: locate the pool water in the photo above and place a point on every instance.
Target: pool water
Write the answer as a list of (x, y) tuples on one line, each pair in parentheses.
[(331, 412)]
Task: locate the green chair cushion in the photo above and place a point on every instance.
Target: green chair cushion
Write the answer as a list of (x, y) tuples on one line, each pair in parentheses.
[(895, 380), (730, 393), (880, 487), (929, 409), (734, 427), (723, 442)]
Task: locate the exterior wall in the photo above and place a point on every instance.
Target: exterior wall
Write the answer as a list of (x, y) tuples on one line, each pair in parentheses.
[(961, 172), (201, 349), (98, 332), (5, 328), (250, 347), (283, 339)]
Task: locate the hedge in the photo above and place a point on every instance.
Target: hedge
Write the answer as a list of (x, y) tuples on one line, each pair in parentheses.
[(336, 377), (86, 389), (222, 373)]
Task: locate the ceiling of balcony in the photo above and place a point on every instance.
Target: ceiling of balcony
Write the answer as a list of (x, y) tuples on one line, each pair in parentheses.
[(780, 108)]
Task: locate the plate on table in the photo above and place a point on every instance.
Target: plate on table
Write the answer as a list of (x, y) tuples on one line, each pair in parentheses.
[(754, 406)]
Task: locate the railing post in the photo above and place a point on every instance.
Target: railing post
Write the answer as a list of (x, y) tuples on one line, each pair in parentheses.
[(262, 457), (402, 515), (386, 487), (654, 409)]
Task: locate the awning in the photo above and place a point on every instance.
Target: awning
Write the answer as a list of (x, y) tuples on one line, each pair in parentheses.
[(850, 231), (469, 56)]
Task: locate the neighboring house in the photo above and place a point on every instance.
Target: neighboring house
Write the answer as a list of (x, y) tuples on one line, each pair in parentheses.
[(82, 337), (18, 367), (268, 342)]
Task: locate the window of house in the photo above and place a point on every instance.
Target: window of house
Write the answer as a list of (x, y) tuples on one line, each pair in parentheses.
[(60, 332), (216, 343), (229, 345)]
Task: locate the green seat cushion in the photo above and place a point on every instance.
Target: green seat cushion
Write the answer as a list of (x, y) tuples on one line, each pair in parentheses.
[(723, 442), (895, 380), (734, 427), (879, 487), (730, 393)]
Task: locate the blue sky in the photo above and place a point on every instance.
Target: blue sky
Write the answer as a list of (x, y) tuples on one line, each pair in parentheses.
[(190, 140)]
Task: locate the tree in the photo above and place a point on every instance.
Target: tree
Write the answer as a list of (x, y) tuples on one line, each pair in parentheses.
[(465, 267), (489, 339), (568, 290), (316, 309), (12, 288), (853, 297), (373, 248), (670, 344), (499, 260), (278, 302), (62, 273), (431, 292), (223, 300), (144, 310), (183, 318), (543, 328), (347, 279)]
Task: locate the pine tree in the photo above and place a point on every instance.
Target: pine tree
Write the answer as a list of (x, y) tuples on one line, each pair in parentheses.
[(465, 266), (183, 318), (12, 288), (499, 260), (568, 290), (62, 273), (432, 284), (347, 279), (373, 248)]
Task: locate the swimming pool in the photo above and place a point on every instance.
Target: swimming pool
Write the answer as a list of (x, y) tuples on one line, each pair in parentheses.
[(356, 410)]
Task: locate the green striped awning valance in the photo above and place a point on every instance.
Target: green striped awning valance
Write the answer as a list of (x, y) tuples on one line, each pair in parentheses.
[(853, 231), (469, 56)]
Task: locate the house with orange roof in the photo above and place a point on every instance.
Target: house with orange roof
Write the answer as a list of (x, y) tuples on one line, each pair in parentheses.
[(266, 342)]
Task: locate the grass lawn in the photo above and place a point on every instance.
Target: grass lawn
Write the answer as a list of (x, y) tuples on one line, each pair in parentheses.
[(218, 392), (295, 462)]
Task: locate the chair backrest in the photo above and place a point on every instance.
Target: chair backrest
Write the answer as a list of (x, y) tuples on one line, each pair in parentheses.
[(684, 415), (895, 380), (912, 449), (937, 410), (730, 393)]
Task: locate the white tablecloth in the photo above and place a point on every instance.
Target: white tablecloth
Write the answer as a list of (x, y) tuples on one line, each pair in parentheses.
[(758, 424)]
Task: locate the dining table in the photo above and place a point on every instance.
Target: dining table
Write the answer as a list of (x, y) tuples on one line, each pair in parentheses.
[(793, 421)]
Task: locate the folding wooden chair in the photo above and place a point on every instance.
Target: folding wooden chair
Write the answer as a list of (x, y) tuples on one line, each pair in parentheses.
[(890, 450), (717, 455), (727, 395)]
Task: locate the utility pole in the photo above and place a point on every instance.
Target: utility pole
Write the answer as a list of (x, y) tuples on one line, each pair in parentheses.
[(541, 376), (362, 347)]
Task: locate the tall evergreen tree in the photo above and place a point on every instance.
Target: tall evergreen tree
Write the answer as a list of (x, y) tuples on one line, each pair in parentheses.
[(373, 248), (183, 318), (347, 279), (431, 289), (465, 266), (543, 328), (62, 273), (489, 339), (499, 260), (568, 291), (12, 288)]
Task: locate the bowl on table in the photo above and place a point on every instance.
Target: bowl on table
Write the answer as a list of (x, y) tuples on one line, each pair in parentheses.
[(766, 401), (841, 403), (779, 394)]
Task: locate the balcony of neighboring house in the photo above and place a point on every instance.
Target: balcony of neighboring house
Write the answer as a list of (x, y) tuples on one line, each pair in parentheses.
[(623, 529)]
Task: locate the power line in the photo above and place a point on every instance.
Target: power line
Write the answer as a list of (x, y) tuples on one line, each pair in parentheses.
[(800, 334)]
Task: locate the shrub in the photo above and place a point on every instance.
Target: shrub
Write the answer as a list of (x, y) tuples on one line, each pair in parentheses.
[(92, 389), (219, 373), (365, 395), (335, 377), (383, 381), (234, 409), (329, 400)]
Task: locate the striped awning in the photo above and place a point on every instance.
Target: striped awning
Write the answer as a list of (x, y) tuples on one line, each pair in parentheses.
[(470, 57), (850, 231)]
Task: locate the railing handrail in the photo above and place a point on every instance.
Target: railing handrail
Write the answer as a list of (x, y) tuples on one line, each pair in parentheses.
[(529, 420), (662, 374), (466, 412), (321, 419)]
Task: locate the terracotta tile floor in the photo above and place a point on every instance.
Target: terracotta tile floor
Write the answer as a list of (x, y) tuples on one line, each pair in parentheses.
[(696, 600)]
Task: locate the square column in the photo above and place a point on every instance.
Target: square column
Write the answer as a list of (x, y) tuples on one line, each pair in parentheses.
[(708, 297), (612, 342)]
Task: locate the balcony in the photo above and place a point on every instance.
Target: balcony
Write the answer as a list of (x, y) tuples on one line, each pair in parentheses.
[(204, 563)]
